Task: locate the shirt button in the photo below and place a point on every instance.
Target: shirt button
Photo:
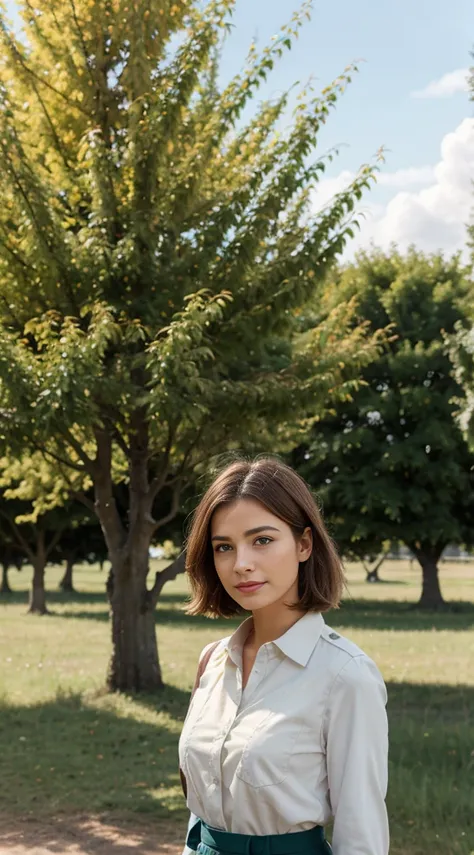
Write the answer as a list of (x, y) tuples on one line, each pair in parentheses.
[(334, 636), (215, 781)]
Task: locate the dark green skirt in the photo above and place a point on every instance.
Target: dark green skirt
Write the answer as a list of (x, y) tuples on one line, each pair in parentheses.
[(210, 841)]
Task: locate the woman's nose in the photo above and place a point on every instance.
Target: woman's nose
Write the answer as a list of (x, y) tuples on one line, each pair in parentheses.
[(243, 560)]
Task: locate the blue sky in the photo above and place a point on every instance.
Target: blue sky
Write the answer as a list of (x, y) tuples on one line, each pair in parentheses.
[(405, 44), (409, 97)]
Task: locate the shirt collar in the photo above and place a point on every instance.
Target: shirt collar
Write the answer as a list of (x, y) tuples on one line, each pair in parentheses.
[(237, 640), (300, 640), (297, 643)]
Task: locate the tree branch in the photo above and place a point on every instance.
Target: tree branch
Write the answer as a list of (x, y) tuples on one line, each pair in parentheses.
[(105, 505), (120, 440), (19, 537), (158, 482), (49, 120), (80, 496), (191, 448), (167, 575), (114, 418), (81, 39), (54, 541), (43, 80), (15, 256), (47, 453), (217, 446), (381, 560), (89, 463), (24, 195), (173, 511), (16, 320)]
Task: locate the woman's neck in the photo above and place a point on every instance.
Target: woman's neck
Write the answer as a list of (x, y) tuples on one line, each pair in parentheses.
[(272, 622)]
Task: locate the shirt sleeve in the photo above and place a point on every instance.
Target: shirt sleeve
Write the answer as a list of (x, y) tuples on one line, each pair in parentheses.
[(357, 759)]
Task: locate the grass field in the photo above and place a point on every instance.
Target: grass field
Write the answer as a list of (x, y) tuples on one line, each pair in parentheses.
[(67, 748)]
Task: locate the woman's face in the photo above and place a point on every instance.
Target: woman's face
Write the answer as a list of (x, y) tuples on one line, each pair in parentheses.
[(256, 555)]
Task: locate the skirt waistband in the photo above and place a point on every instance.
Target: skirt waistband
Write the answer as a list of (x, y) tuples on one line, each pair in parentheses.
[(310, 842)]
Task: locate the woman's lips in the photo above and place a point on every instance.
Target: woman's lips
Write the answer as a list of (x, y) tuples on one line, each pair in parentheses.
[(250, 587)]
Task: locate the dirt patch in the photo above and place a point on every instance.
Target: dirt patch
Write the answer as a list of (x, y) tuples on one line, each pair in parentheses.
[(81, 835)]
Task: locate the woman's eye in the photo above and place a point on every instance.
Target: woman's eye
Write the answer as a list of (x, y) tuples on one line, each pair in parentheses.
[(262, 541), (223, 547)]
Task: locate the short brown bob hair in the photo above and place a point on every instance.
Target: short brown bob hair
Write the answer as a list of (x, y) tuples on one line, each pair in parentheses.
[(284, 493)]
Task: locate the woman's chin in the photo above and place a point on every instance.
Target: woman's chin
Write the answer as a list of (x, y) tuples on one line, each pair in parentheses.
[(258, 600)]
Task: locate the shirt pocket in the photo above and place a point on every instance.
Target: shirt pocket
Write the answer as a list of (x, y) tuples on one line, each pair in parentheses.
[(269, 749)]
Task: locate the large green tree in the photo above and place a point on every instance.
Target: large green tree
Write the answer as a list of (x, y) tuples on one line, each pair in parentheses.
[(461, 346), (471, 226), (462, 343), (390, 463), (153, 251)]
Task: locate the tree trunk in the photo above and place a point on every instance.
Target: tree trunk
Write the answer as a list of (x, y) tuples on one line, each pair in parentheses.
[(372, 573), (431, 596), (5, 584), (66, 582), (134, 664), (37, 604)]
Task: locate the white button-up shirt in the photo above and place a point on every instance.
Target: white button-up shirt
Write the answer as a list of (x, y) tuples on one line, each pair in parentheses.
[(304, 742)]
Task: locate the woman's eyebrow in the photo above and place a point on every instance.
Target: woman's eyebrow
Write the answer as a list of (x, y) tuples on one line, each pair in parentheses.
[(247, 533)]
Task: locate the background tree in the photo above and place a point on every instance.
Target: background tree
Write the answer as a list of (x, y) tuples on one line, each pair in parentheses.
[(82, 542), (391, 462), (39, 511), (153, 250), (11, 555), (461, 345), (461, 349), (36, 541), (370, 551), (471, 226)]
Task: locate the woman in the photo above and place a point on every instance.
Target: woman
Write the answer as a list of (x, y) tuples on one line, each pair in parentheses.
[(287, 728)]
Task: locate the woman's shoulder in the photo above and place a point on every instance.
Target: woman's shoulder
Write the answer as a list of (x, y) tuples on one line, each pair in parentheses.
[(347, 648), (214, 647), (209, 652), (350, 663)]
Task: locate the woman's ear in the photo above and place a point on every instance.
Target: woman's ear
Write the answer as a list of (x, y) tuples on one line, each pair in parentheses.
[(305, 545)]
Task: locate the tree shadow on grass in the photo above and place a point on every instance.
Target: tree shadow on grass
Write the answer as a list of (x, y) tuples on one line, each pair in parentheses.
[(19, 598), (70, 756), (430, 769), (402, 616), (72, 760), (353, 614), (61, 598)]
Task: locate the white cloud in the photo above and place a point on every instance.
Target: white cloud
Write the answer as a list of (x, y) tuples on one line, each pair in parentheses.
[(435, 217), (431, 207), (447, 85), (411, 177), (329, 187)]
